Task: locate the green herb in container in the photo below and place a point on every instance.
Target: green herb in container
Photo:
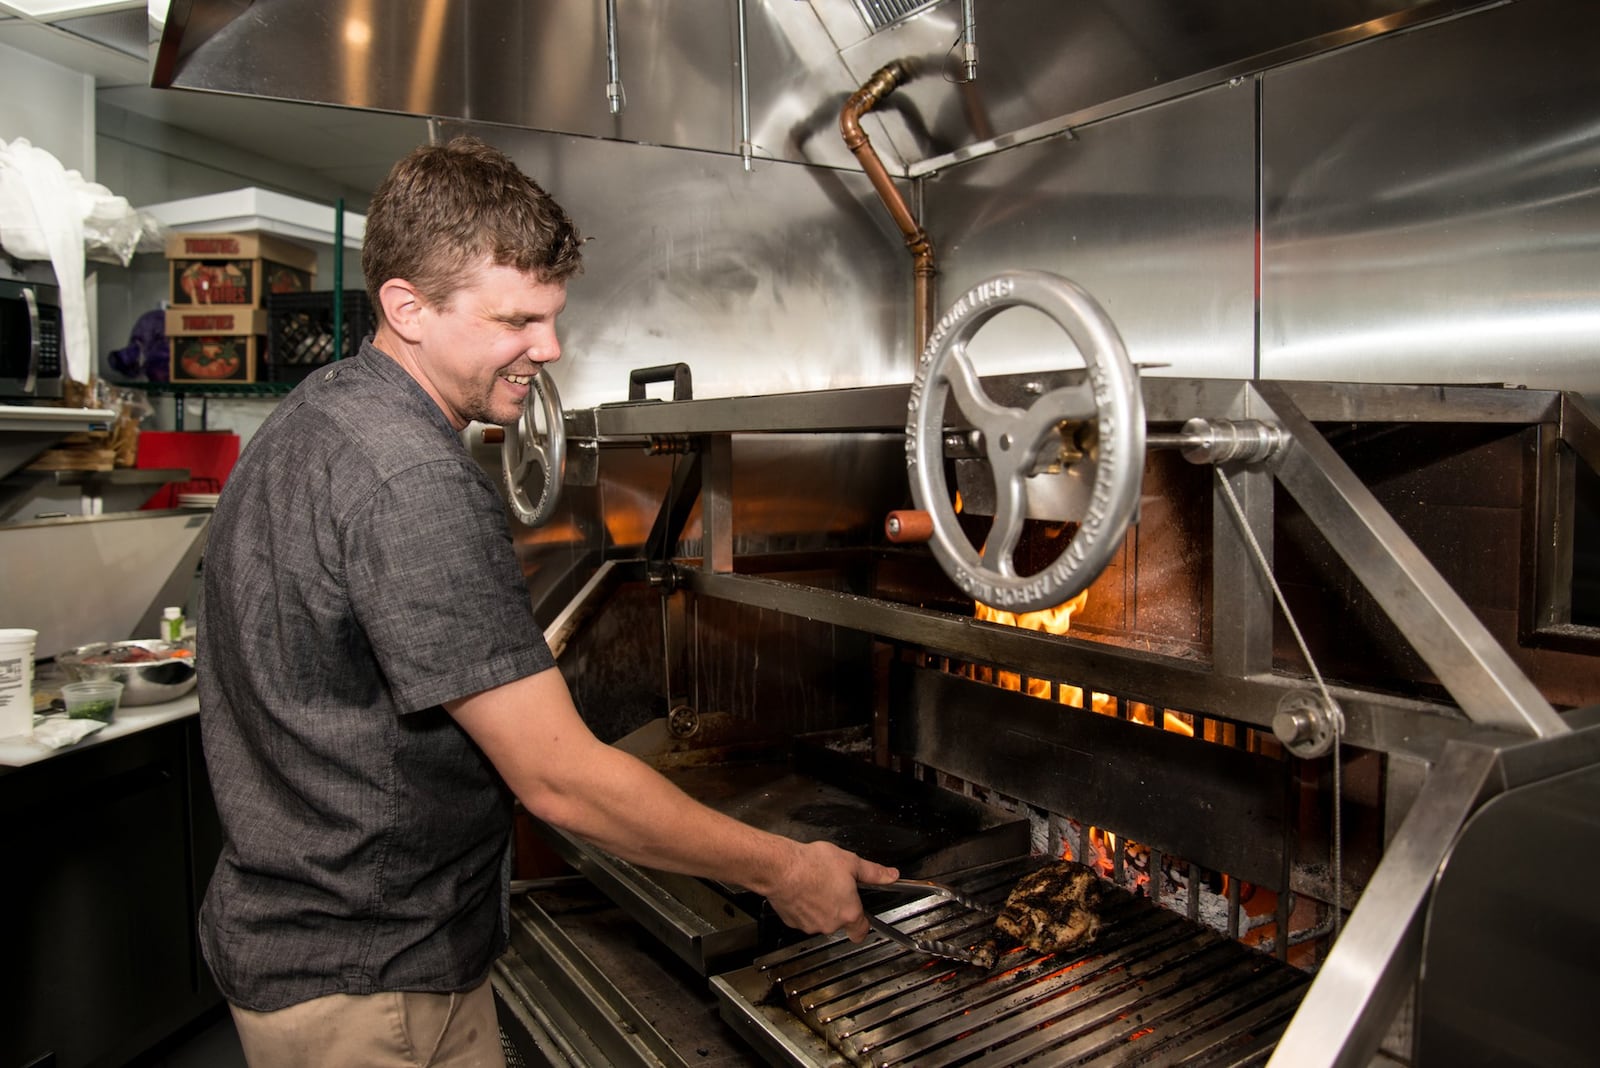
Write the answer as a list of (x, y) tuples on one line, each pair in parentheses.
[(92, 699)]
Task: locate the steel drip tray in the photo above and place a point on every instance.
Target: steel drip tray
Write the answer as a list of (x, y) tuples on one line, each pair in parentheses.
[(801, 788), (1154, 988), (583, 984)]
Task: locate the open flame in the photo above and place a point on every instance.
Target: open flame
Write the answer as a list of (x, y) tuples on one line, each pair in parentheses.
[(1058, 620), (1103, 846), (1257, 905)]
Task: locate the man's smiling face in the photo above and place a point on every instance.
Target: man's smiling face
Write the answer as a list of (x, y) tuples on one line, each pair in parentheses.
[(479, 351)]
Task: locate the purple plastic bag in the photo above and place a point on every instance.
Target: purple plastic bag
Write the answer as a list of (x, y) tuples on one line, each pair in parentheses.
[(146, 353)]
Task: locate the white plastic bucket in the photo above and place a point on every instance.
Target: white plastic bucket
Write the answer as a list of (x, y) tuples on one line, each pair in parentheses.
[(16, 682)]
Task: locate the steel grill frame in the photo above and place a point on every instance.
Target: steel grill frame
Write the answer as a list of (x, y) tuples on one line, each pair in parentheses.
[(1157, 987), (1189, 994)]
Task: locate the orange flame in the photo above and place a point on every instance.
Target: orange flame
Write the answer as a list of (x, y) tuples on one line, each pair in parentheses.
[(1057, 620), (1103, 846)]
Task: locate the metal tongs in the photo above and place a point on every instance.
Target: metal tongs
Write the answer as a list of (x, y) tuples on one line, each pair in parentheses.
[(931, 946)]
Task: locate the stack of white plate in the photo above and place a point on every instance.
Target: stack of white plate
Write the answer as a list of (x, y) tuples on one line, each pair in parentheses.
[(198, 500)]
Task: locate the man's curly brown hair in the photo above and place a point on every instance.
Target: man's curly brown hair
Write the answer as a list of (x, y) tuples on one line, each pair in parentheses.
[(443, 208)]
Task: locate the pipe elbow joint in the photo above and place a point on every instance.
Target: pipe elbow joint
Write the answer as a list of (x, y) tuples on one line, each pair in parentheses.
[(884, 81), (850, 121)]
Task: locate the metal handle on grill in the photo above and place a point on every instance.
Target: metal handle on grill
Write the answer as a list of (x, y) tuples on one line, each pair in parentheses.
[(908, 525), (678, 374)]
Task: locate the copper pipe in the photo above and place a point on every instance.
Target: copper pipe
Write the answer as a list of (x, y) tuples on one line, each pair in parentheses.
[(862, 101)]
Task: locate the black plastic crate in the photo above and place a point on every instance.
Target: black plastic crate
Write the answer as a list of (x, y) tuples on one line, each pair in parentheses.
[(300, 326)]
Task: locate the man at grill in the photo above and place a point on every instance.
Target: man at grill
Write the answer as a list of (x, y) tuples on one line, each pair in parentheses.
[(372, 679)]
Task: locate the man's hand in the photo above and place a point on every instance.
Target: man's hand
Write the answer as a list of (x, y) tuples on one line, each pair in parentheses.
[(816, 890)]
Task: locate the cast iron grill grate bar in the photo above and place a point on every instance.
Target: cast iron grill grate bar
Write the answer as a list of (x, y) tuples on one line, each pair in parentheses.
[(1024, 978), (815, 973), (1111, 1026), (899, 971), (964, 989), (1154, 988), (792, 961), (948, 923), (1066, 1009), (1234, 1029)]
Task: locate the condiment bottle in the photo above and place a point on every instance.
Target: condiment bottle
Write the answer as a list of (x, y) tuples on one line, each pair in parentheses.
[(172, 623)]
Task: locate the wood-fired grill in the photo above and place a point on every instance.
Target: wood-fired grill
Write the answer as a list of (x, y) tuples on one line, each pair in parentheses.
[(1268, 900)]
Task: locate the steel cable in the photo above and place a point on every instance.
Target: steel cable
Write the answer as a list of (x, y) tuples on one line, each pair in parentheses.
[(1327, 698)]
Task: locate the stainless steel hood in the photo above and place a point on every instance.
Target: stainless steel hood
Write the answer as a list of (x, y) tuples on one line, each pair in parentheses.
[(719, 74), (1351, 190), (99, 578)]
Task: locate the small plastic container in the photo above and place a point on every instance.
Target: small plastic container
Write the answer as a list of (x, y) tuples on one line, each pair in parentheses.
[(92, 699)]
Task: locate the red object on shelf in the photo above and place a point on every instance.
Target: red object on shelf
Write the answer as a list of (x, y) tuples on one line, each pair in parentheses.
[(209, 456)]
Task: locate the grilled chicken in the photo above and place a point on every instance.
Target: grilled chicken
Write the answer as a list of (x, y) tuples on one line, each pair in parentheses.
[(1050, 910)]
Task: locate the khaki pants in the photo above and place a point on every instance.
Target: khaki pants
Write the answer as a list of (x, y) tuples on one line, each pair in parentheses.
[(391, 1030)]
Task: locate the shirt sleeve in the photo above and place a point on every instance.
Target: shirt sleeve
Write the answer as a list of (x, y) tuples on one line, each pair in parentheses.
[(435, 584)]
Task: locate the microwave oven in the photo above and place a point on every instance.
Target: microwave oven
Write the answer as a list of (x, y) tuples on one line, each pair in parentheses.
[(30, 340)]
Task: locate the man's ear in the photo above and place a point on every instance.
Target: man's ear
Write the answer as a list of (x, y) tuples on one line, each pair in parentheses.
[(402, 308)]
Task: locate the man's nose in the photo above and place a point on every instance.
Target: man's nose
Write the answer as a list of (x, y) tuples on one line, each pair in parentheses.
[(546, 348)]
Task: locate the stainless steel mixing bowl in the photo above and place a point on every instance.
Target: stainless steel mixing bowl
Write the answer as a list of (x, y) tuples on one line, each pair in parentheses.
[(144, 682)]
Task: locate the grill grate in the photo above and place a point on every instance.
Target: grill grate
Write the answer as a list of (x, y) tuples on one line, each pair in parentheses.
[(881, 14), (1154, 988)]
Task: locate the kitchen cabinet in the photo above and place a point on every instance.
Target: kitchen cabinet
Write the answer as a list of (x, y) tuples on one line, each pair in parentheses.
[(108, 851)]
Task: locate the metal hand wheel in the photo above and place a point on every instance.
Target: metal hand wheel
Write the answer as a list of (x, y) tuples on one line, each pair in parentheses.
[(1108, 451), (530, 447)]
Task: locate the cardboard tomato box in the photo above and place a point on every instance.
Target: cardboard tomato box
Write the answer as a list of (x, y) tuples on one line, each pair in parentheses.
[(217, 319), (210, 359), (237, 269)]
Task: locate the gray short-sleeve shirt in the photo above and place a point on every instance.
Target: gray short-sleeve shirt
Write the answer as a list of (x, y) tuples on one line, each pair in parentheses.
[(358, 572)]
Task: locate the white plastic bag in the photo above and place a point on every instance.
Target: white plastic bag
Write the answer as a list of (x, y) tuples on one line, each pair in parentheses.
[(50, 213)]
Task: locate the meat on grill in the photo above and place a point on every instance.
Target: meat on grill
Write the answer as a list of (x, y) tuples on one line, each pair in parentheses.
[(1049, 911)]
